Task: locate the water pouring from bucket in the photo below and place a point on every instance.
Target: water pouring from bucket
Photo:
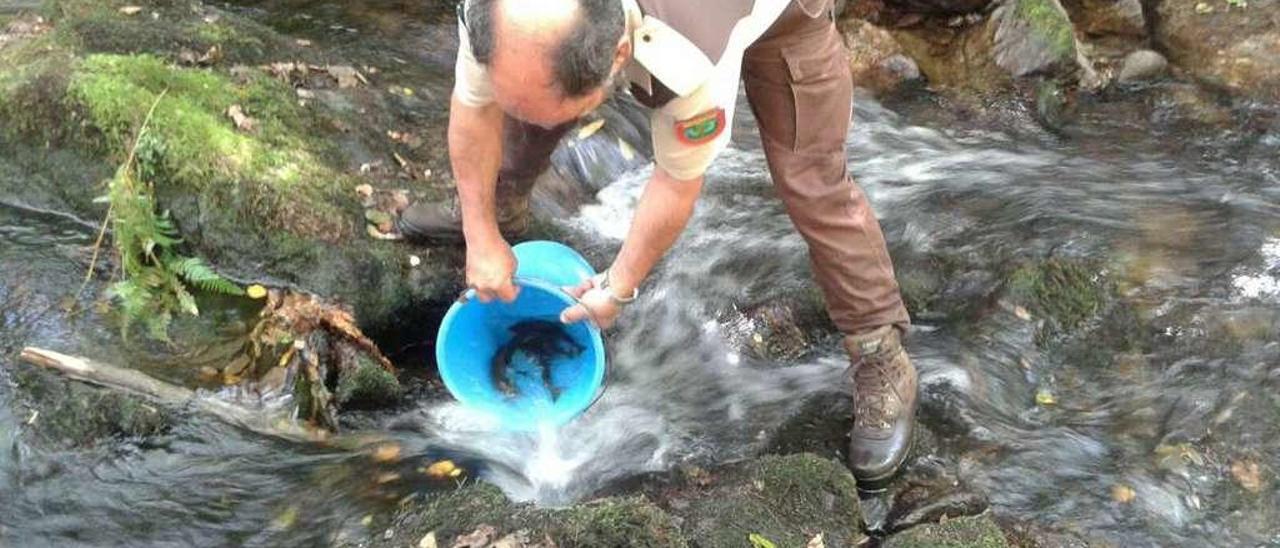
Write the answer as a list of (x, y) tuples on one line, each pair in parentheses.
[(516, 360)]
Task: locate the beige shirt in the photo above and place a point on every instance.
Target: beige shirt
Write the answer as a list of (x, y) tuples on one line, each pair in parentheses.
[(701, 85)]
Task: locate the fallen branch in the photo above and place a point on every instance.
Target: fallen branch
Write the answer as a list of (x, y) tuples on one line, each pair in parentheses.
[(140, 384)]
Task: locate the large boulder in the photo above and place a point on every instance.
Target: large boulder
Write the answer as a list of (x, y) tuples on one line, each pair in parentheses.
[(255, 145), (1234, 46), (1020, 39), (877, 61)]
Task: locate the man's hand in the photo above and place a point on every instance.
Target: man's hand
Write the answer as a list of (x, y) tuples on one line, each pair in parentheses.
[(490, 268), (594, 304)]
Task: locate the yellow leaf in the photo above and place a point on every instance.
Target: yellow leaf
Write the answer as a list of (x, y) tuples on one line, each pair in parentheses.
[(387, 452), (590, 129), (441, 470), (286, 519), (1123, 494), (367, 520), (256, 291), (628, 153), (131, 10), (428, 541), (758, 541), (1045, 398)]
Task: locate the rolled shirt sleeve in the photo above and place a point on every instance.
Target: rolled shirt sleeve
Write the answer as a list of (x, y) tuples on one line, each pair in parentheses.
[(687, 161), (471, 85)]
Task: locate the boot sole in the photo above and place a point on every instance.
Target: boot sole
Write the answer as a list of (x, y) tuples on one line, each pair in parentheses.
[(878, 484)]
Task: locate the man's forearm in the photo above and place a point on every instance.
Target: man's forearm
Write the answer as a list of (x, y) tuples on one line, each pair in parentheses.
[(663, 211), (475, 152)]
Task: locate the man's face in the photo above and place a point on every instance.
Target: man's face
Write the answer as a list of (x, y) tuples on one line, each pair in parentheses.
[(526, 90)]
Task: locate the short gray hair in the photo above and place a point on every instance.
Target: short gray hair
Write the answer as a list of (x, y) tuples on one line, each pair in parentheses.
[(582, 62)]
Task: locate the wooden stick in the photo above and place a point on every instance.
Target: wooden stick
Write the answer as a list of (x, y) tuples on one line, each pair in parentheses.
[(140, 384)]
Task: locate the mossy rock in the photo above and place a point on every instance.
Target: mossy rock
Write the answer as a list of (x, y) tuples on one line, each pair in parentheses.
[(965, 532), (368, 385), (73, 415), (1067, 293), (785, 499), (274, 203), (614, 521)]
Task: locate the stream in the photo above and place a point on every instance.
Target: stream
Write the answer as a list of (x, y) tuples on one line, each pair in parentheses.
[(1140, 425)]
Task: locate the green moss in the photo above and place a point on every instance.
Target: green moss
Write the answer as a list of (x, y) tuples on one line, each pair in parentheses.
[(787, 499), (1050, 23), (75, 415), (631, 521), (368, 385), (200, 150), (1067, 293), (965, 532)]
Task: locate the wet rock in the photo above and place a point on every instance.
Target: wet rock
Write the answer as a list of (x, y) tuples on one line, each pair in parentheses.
[(274, 205), (1021, 38), (966, 532), (785, 499), (67, 415), (1034, 37), (1189, 103), (1235, 47), (1107, 18), (939, 7), (877, 61), (1143, 64), (631, 521)]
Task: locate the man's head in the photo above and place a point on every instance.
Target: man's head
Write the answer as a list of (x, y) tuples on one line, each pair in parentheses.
[(550, 61)]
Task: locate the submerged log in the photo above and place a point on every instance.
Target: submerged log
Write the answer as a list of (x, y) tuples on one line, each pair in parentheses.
[(140, 384)]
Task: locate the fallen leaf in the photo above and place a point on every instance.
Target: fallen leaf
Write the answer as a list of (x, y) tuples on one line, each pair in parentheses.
[(367, 520), (286, 519), (480, 538), (377, 217), (441, 469), (346, 76), (303, 42), (256, 291), (518, 539), (1022, 313), (1203, 8), (243, 121), (400, 159), (625, 149), (1045, 398), (758, 541), (387, 452), (590, 129), (1123, 494), (387, 478), (1248, 474), (428, 540), (304, 93), (816, 542), (131, 10), (365, 190), (378, 235), (207, 373)]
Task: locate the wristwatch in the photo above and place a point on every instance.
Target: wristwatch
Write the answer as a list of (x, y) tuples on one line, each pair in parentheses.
[(602, 281)]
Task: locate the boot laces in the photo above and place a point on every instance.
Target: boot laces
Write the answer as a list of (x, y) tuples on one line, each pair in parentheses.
[(877, 404)]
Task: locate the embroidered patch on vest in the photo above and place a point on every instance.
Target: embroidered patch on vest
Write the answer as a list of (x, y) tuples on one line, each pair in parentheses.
[(701, 128)]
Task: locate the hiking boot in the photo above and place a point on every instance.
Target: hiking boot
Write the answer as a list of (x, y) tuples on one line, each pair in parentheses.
[(884, 405), (441, 222)]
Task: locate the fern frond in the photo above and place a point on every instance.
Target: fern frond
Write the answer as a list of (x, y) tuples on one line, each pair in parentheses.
[(193, 271)]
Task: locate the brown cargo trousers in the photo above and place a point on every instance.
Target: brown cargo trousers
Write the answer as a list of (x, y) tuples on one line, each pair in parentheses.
[(800, 89)]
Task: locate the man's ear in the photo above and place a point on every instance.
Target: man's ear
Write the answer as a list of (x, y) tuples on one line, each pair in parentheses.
[(622, 54)]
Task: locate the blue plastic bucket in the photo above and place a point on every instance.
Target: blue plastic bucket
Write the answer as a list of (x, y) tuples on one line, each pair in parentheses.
[(472, 332)]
